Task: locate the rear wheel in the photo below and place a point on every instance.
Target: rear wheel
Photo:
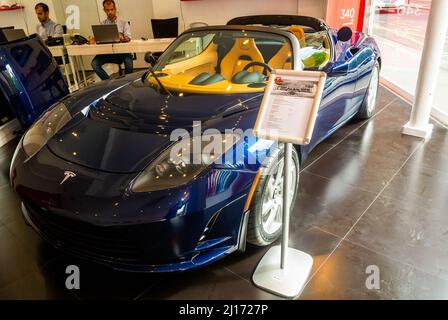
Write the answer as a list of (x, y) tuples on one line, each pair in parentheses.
[(266, 212), (368, 105)]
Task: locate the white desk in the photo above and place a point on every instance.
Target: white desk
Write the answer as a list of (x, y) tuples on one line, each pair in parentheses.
[(78, 51), (59, 51), (89, 49), (142, 46), (134, 46)]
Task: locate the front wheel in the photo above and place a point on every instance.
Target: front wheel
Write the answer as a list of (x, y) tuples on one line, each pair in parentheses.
[(368, 105), (266, 211)]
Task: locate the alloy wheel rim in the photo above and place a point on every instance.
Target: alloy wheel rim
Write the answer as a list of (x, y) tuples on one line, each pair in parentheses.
[(373, 89), (272, 208)]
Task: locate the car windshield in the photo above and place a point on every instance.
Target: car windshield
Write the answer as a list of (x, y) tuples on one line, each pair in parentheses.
[(222, 61), (315, 50)]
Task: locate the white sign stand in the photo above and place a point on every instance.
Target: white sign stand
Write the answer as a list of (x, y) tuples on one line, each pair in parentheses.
[(283, 270)]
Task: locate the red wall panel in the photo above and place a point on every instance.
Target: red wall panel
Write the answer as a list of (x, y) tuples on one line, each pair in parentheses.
[(348, 13)]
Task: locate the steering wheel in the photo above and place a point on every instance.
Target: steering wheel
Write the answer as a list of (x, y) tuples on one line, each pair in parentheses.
[(265, 66)]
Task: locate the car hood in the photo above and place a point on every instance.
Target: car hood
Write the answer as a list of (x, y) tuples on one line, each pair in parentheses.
[(127, 128)]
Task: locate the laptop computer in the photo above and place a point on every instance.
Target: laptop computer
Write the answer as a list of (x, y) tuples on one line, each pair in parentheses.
[(106, 33), (8, 35)]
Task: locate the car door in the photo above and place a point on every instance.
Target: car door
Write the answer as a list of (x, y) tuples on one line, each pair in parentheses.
[(365, 59), (337, 101)]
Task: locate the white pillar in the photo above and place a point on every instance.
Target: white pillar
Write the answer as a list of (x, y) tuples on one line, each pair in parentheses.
[(371, 16), (429, 70)]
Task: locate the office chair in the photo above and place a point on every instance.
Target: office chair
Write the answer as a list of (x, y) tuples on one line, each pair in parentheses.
[(165, 28)]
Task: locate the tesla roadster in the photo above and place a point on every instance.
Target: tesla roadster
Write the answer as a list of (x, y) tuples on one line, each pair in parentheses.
[(96, 172)]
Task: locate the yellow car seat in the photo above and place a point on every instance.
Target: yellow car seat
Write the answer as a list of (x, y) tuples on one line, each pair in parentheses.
[(299, 32), (242, 53), (282, 59)]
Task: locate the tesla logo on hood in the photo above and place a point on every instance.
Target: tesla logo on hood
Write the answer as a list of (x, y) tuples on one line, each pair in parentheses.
[(68, 175)]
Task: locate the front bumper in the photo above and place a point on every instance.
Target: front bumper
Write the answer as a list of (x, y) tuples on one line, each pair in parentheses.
[(168, 231), (125, 253)]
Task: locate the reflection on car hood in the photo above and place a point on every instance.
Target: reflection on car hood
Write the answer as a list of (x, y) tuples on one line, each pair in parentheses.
[(139, 107), (126, 129)]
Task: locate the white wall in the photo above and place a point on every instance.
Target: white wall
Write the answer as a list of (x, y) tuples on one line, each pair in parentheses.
[(140, 12), (313, 8), (215, 12), (24, 19), (164, 9), (88, 14), (13, 18)]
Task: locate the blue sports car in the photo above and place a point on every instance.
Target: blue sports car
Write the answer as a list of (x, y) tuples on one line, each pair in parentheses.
[(97, 173)]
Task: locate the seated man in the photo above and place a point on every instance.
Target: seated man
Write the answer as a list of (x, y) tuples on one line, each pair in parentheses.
[(47, 27), (125, 35)]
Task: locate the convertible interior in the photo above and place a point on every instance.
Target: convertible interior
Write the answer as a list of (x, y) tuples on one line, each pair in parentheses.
[(236, 61)]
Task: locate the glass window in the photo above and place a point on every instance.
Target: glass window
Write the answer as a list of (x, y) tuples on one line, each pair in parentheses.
[(191, 48), (399, 27), (316, 52), (220, 61), (441, 95), (315, 49)]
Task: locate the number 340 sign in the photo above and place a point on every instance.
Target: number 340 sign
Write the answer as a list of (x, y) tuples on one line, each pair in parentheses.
[(346, 13)]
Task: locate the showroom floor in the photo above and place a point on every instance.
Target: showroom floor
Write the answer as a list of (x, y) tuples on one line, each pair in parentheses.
[(369, 196)]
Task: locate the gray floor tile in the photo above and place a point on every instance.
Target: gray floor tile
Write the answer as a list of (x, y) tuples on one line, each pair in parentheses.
[(414, 234), (344, 277)]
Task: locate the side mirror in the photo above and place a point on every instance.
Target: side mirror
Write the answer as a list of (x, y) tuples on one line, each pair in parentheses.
[(150, 59), (345, 34)]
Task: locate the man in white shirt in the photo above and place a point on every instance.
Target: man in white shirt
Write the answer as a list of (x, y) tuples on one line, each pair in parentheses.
[(125, 36), (47, 27)]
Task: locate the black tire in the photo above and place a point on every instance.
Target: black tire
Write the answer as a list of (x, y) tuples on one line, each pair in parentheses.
[(256, 234), (367, 110)]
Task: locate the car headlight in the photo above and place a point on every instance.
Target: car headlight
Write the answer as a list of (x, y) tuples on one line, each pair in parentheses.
[(45, 128), (183, 162)]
